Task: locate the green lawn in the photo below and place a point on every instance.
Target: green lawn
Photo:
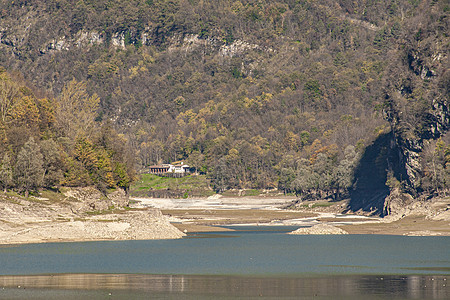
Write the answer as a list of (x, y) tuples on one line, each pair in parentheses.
[(198, 184)]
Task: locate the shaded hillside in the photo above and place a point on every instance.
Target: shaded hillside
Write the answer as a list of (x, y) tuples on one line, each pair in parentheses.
[(380, 162)]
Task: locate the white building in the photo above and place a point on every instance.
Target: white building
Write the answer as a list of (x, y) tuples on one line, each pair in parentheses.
[(165, 169)]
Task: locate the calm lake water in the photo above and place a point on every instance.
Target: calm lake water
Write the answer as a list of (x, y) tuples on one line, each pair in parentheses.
[(247, 263)]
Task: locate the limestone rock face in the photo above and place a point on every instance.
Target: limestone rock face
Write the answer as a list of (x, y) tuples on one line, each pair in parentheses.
[(396, 202), (414, 119), (320, 229)]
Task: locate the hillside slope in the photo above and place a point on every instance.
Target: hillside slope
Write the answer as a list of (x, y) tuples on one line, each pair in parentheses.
[(256, 94)]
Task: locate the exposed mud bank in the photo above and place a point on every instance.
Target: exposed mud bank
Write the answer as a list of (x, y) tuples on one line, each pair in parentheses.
[(208, 214)]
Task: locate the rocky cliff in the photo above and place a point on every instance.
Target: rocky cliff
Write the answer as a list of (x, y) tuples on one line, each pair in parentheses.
[(408, 162), (417, 90)]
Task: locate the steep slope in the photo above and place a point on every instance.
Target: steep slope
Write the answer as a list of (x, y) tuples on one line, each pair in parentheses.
[(253, 93), (417, 88), (415, 157)]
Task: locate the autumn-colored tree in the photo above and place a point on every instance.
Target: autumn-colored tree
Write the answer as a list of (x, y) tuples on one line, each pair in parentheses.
[(25, 113), (76, 174), (196, 79), (9, 93), (76, 110)]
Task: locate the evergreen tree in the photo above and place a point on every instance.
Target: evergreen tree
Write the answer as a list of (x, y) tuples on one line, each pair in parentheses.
[(29, 171), (6, 174)]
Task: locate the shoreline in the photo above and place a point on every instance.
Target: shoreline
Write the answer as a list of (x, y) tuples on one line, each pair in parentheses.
[(207, 215), (79, 216), (25, 222), (130, 225)]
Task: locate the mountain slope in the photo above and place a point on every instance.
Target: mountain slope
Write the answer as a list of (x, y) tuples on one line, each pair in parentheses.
[(253, 93)]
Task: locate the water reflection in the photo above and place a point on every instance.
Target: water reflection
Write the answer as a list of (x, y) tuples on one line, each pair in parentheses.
[(202, 286)]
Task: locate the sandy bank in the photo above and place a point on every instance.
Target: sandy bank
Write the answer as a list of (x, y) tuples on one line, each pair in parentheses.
[(319, 229), (422, 218), (35, 220), (143, 225)]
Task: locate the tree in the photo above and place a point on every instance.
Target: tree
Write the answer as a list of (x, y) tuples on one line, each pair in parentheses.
[(76, 110), (29, 171), (307, 179), (197, 161), (344, 171), (323, 166), (8, 96), (220, 176), (286, 177), (96, 161), (122, 178), (25, 113), (6, 173), (52, 163)]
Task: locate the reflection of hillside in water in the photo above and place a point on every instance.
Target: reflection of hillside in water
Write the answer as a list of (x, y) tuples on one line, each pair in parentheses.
[(353, 287)]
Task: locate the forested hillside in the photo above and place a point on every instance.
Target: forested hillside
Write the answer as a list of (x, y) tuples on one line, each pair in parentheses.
[(256, 94), (50, 142)]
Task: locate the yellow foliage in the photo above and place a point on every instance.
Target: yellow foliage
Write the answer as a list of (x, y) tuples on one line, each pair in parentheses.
[(134, 72), (76, 110), (9, 94), (258, 102), (26, 112), (292, 141)]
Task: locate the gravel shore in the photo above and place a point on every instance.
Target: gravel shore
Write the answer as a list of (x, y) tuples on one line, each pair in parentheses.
[(430, 218), (34, 221), (84, 217)]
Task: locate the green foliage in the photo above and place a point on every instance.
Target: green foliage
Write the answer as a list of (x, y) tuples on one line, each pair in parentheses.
[(97, 163), (286, 177), (192, 185), (55, 143), (76, 174), (121, 176)]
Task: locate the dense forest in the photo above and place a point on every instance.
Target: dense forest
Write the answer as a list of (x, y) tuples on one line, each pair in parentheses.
[(266, 94), (50, 142)]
